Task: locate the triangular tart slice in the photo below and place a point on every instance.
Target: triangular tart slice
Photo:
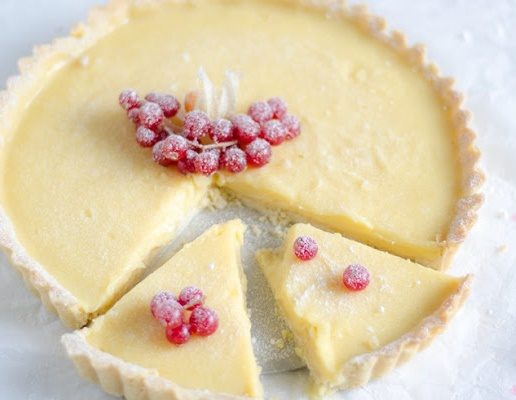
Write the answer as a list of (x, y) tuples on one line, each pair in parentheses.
[(348, 337), (126, 350)]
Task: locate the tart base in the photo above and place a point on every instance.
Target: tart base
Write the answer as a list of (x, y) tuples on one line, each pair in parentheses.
[(121, 378)]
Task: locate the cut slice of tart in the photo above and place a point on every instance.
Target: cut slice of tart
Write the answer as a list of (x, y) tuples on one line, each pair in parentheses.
[(348, 337), (81, 205), (126, 350)]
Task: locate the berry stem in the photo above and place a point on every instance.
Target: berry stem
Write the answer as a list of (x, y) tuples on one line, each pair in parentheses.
[(220, 145), (174, 129)]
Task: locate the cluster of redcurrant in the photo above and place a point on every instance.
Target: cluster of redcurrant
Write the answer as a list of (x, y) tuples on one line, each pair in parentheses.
[(196, 144), (355, 277), (185, 315)]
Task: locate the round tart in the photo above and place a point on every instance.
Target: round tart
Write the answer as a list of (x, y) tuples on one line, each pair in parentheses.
[(385, 156)]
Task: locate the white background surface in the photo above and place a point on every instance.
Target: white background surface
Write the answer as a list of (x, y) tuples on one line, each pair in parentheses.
[(472, 40)]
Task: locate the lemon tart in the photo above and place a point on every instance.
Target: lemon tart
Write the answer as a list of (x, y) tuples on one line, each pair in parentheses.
[(126, 350), (351, 331), (81, 207)]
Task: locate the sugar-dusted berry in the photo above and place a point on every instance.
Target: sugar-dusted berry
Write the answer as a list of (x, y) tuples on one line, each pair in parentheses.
[(165, 308), (305, 248), (169, 104), (221, 130), (178, 335), (278, 106), (196, 125), (187, 165), (134, 115), (129, 99), (175, 147), (246, 129), (190, 297), (207, 162), (260, 111), (355, 277), (258, 152), (203, 321), (274, 132), (159, 155), (293, 126), (151, 115), (146, 137), (234, 159)]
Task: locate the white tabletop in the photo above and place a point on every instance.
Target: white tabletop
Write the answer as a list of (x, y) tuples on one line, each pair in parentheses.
[(474, 41)]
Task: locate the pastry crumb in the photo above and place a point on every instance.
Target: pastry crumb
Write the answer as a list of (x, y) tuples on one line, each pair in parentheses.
[(287, 335), (256, 230), (501, 248), (78, 31)]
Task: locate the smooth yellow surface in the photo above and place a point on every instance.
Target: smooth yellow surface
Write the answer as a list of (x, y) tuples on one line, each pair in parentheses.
[(223, 362), (375, 160), (332, 324)]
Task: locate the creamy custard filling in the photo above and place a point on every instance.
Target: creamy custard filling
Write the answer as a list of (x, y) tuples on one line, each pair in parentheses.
[(376, 159)]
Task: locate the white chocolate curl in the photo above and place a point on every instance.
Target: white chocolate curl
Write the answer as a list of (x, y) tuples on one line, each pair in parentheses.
[(217, 104)]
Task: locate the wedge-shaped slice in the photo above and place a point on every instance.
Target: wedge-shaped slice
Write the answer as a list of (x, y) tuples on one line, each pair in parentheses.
[(345, 337), (126, 351)]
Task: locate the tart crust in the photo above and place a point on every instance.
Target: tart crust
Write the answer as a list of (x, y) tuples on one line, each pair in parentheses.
[(121, 378), (102, 20)]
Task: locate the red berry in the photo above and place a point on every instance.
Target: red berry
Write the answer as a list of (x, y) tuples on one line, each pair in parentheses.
[(260, 111), (169, 104), (293, 126), (258, 152), (234, 159), (203, 321), (278, 106), (129, 99), (221, 131), (134, 115), (190, 297), (246, 129), (274, 132), (146, 137), (170, 150), (187, 165), (165, 308), (355, 277), (178, 335), (207, 162), (196, 125), (151, 115), (176, 147), (305, 248)]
